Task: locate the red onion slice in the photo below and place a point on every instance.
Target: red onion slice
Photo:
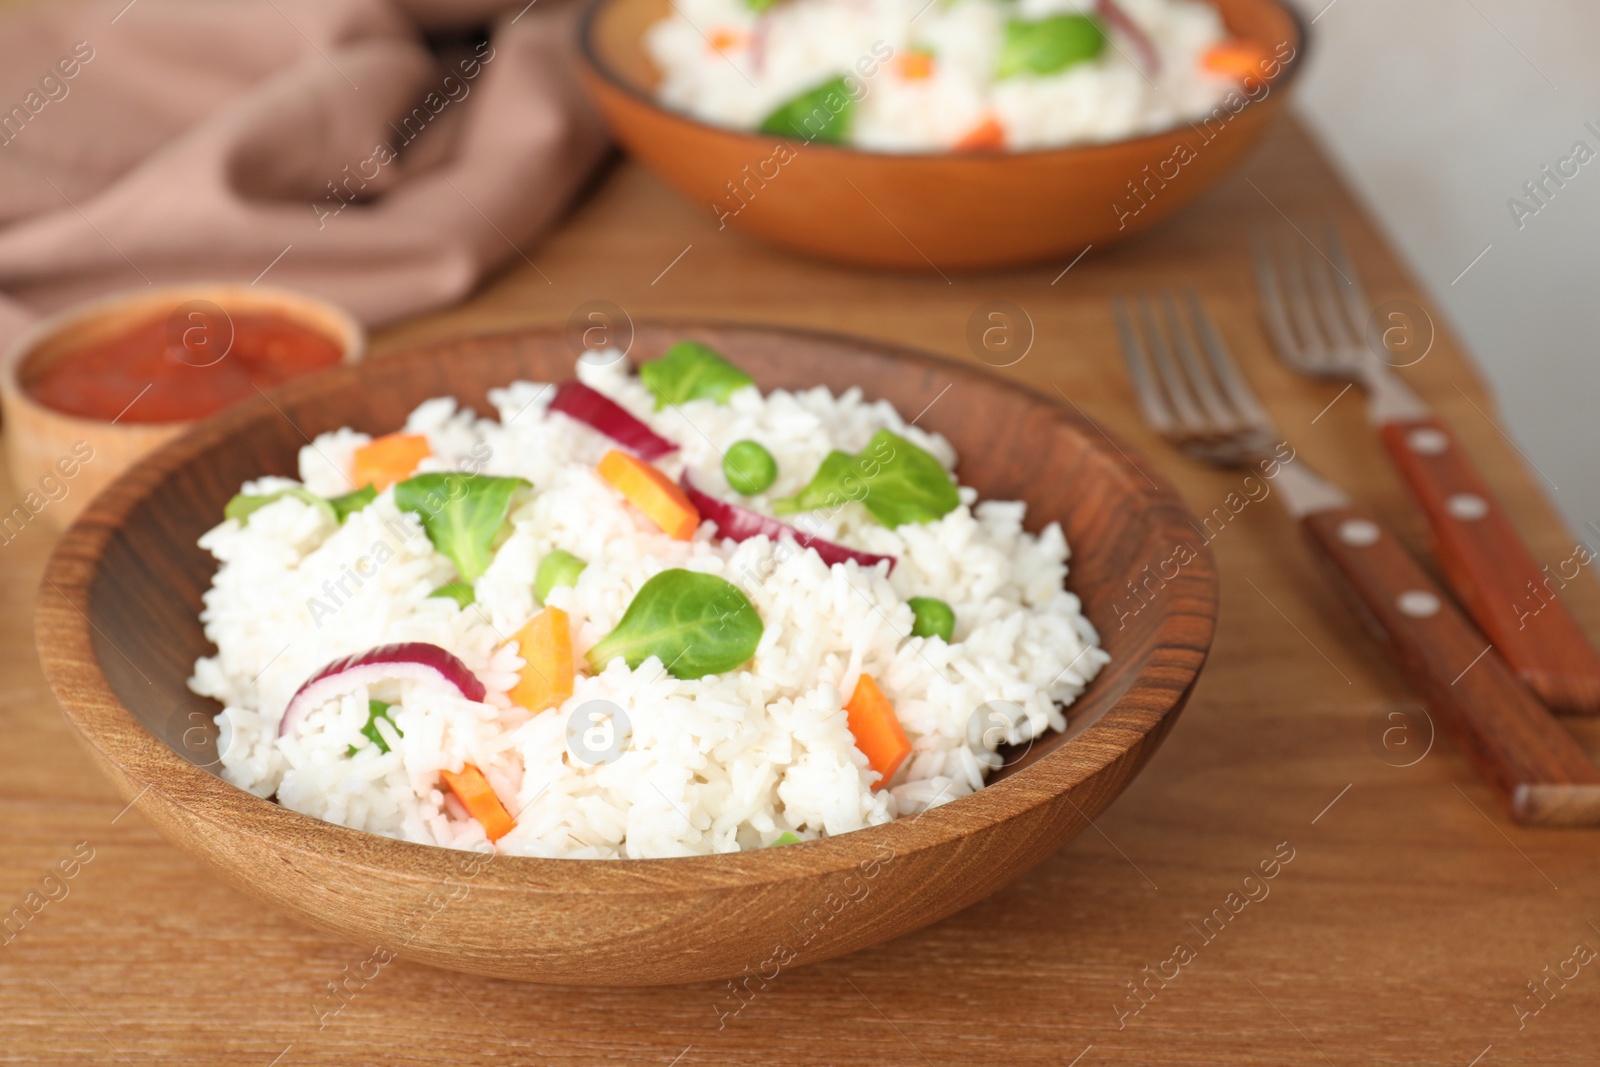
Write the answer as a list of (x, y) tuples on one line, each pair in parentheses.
[(578, 401), (758, 41), (1120, 20), (415, 661), (740, 524)]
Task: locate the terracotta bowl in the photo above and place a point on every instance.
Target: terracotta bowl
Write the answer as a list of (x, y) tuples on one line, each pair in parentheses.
[(923, 212), (118, 635), (42, 442)]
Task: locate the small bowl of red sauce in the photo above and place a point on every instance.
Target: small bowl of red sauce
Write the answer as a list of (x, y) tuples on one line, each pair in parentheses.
[(88, 391)]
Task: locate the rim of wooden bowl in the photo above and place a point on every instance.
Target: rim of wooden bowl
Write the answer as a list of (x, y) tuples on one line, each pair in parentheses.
[(137, 760), (590, 57)]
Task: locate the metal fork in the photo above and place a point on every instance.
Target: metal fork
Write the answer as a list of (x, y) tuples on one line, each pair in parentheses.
[(1199, 402), (1191, 392), (1315, 312)]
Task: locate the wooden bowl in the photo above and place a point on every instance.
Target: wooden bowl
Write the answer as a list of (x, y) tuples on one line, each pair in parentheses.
[(926, 211), (42, 442), (118, 635)]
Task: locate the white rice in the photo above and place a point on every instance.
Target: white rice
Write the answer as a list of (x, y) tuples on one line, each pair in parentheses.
[(803, 43), (718, 764)]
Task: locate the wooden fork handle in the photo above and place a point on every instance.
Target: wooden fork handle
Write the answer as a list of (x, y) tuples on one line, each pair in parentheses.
[(1513, 599), (1540, 772)]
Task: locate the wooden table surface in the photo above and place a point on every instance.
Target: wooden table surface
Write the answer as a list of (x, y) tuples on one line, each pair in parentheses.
[(1405, 929)]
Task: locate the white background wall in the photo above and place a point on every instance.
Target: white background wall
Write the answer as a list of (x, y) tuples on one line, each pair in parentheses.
[(1438, 111)]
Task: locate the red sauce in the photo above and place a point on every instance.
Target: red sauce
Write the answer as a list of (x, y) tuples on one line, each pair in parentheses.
[(169, 369)]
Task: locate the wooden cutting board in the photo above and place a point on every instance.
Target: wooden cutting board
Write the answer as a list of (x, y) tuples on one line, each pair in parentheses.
[(1405, 919)]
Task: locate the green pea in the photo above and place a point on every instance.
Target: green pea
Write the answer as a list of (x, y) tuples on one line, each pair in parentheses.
[(933, 618), (749, 468), (560, 567)]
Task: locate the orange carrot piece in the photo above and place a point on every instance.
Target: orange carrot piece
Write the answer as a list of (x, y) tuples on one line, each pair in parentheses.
[(652, 492), (1238, 59), (877, 730), (914, 66), (723, 38), (987, 136), (389, 459), (547, 673), (476, 795)]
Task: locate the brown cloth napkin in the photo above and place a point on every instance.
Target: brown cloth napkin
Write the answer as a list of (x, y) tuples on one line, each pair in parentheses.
[(312, 144)]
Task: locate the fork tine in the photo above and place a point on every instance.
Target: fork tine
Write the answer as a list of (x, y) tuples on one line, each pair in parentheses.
[(1356, 305), (1244, 400), (1172, 377), (1151, 404), (1326, 296), (1273, 308), (1313, 346), (1199, 379)]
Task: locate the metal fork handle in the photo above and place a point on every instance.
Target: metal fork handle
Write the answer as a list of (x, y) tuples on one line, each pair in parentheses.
[(1542, 775), (1389, 399), (1513, 600), (1303, 490)]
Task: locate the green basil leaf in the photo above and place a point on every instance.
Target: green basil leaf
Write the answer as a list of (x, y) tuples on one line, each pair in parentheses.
[(376, 709), (241, 507), (347, 505), (691, 371), (560, 567), (820, 114), (932, 617), (461, 592), (461, 513), (895, 480), (696, 624), (785, 838), (1050, 45)]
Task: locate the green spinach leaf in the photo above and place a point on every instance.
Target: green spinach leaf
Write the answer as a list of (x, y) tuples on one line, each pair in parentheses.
[(837, 482), (341, 508), (691, 371), (461, 592), (376, 709), (461, 513), (1050, 45), (823, 113), (241, 507), (560, 567), (895, 480), (696, 624), (347, 505)]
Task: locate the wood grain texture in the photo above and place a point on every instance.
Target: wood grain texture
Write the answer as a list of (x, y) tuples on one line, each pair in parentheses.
[(1403, 932), (927, 212), (118, 635), (1543, 776), (1514, 600)]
